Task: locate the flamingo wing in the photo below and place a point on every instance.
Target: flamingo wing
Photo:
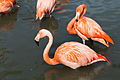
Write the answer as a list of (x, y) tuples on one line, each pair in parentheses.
[(98, 32), (74, 54), (44, 6), (91, 29), (6, 5)]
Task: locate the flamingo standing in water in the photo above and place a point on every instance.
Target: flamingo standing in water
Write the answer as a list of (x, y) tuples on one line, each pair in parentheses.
[(44, 6), (7, 5), (71, 54), (86, 28)]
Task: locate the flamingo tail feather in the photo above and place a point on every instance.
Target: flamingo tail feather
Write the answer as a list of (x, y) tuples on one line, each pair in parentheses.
[(39, 14), (107, 38), (102, 57), (101, 41)]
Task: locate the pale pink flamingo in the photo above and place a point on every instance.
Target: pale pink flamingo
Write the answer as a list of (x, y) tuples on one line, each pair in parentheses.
[(44, 6), (7, 5), (71, 54), (86, 28)]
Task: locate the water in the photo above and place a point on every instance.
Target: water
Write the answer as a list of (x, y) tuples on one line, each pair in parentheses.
[(21, 58)]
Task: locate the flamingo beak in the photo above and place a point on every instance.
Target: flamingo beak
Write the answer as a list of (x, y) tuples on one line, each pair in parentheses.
[(37, 38), (77, 16), (37, 42)]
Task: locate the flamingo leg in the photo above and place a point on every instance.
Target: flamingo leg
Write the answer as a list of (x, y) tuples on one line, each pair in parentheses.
[(83, 41), (53, 8), (50, 14)]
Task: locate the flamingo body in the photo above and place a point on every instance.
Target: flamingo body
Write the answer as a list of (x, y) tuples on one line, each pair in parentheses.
[(44, 6), (74, 55), (71, 54), (87, 28), (7, 5)]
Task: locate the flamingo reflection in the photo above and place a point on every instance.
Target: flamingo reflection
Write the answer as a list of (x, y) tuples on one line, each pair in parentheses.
[(60, 4), (2, 54), (7, 22), (83, 73), (50, 24), (4, 74)]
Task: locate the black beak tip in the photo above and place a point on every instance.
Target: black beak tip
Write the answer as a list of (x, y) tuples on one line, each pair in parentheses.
[(37, 43), (77, 20)]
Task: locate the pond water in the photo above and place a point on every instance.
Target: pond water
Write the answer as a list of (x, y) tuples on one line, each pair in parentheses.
[(21, 58)]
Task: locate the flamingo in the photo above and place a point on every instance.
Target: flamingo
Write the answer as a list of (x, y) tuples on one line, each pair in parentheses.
[(86, 27), (44, 6), (71, 54), (7, 5)]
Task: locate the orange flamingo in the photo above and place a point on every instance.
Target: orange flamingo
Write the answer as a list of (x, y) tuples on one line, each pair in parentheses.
[(86, 28), (7, 5), (72, 54), (44, 6)]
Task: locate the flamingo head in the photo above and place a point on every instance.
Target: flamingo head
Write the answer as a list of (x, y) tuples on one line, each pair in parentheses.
[(80, 11), (42, 33)]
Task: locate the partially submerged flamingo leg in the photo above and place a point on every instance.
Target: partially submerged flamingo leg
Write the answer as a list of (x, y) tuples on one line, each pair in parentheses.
[(50, 14), (83, 41), (53, 8)]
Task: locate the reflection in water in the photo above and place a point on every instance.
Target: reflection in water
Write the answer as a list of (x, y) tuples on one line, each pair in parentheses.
[(60, 4), (7, 22), (2, 54), (83, 73), (98, 47), (49, 23), (3, 74)]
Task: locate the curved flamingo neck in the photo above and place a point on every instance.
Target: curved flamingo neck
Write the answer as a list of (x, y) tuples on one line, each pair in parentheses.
[(46, 51), (70, 27), (83, 9)]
